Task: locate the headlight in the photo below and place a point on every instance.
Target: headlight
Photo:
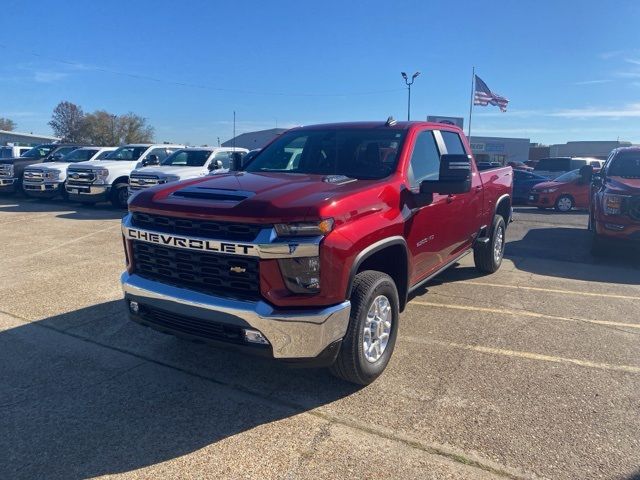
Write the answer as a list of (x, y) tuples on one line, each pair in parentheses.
[(613, 204), (548, 190), (304, 229), (301, 275), (52, 174), (101, 175)]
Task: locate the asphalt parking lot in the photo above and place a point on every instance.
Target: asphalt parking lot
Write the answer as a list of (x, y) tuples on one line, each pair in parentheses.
[(531, 372)]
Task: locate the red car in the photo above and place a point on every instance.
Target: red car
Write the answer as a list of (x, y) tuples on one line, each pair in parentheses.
[(309, 253), (568, 191)]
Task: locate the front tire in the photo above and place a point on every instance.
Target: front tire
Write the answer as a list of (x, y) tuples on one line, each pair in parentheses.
[(488, 256), (119, 195), (564, 204), (373, 327)]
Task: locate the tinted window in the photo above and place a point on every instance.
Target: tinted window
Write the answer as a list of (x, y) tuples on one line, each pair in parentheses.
[(64, 150), (79, 155), (39, 151), (578, 163), (103, 154), (425, 159), (353, 152), (554, 165), (126, 153), (453, 143), (625, 164), (160, 152), (188, 158)]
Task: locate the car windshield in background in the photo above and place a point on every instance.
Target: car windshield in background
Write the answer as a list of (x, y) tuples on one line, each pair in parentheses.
[(126, 153), (38, 152), (554, 164), (356, 153), (625, 164), (568, 177), (187, 158), (78, 156)]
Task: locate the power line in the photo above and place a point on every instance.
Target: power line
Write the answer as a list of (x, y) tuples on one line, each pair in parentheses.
[(193, 85)]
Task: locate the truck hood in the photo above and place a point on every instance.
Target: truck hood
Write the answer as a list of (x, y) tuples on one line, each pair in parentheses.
[(624, 185), (254, 197), (50, 166), (115, 164), (181, 172)]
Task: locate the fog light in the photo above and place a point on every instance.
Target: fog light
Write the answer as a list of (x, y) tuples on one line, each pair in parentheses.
[(134, 306), (254, 336), (301, 275)]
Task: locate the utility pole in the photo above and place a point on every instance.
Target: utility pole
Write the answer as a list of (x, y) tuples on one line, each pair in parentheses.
[(234, 130), (409, 83)]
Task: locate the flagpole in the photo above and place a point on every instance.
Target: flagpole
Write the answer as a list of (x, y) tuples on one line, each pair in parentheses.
[(473, 79)]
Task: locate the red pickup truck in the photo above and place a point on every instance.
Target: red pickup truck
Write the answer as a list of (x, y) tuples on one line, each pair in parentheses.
[(309, 253), (615, 201)]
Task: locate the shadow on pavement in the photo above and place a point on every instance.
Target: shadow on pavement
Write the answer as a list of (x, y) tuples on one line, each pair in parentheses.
[(74, 409), (19, 203)]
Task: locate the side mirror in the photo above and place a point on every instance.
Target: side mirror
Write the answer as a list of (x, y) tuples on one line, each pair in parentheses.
[(586, 174), (215, 165), (56, 157), (236, 161), (455, 176), (151, 160)]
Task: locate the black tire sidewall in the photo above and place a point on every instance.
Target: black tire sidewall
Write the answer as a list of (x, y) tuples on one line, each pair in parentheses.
[(384, 286), (115, 197)]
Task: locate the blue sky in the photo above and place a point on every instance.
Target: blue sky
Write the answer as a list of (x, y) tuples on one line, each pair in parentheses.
[(571, 69)]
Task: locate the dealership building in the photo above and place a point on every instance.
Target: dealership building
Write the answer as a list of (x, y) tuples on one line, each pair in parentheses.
[(16, 138), (499, 149)]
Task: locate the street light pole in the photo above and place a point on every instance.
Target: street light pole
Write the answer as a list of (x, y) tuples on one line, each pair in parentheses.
[(409, 83)]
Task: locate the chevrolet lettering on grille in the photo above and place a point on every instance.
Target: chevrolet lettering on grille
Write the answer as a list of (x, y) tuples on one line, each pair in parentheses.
[(200, 244)]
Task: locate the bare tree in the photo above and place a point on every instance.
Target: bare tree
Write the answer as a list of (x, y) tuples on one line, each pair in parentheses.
[(7, 124), (102, 128), (133, 128), (67, 122)]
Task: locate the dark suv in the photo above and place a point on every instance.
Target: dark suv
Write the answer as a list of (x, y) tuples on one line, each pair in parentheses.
[(12, 169)]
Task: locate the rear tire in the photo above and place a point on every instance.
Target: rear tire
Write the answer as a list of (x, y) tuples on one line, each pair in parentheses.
[(488, 256), (564, 204), (119, 195), (368, 344)]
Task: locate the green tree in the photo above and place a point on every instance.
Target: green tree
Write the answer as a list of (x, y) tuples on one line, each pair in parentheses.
[(67, 122), (7, 124)]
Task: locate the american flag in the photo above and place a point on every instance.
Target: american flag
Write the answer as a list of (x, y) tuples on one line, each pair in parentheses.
[(483, 96)]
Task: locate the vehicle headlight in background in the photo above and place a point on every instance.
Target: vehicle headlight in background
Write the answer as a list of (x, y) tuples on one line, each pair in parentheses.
[(101, 175), (548, 190), (613, 204), (304, 229), (301, 275), (52, 174)]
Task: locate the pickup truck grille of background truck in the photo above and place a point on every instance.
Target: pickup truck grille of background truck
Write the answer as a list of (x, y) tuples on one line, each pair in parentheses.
[(80, 177), (197, 228), (138, 181), (212, 273), (33, 175)]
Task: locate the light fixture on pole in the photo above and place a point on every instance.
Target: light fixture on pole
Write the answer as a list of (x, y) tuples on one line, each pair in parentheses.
[(409, 83)]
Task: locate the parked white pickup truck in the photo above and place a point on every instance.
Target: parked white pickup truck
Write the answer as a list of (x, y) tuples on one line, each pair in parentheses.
[(47, 179), (185, 163), (108, 179)]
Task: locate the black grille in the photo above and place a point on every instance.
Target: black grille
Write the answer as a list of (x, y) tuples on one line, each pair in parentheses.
[(204, 272), (192, 326), (197, 228)]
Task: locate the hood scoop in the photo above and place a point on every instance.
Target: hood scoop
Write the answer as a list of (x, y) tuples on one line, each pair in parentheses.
[(216, 194), (338, 179)]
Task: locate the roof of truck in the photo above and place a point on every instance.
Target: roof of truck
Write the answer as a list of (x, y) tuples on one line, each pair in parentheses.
[(381, 124)]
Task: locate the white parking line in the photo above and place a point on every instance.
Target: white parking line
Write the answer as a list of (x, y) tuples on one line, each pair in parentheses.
[(551, 290), (524, 313), (527, 355)]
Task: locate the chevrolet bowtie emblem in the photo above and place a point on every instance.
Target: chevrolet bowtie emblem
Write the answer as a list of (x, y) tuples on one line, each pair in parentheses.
[(237, 269)]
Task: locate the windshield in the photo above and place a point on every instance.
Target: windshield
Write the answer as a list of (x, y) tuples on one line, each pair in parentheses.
[(356, 153), (625, 164), (6, 152), (187, 158), (39, 151), (554, 164), (79, 155), (126, 153), (568, 177)]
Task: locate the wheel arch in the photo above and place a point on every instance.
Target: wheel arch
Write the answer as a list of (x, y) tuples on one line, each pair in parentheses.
[(503, 207), (389, 255)]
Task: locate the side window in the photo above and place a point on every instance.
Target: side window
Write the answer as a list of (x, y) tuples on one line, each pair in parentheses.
[(425, 159), (453, 143), (103, 154), (224, 157), (160, 152)]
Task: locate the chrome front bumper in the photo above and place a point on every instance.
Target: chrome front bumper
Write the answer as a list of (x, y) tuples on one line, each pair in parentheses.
[(91, 193), (292, 334), (48, 186)]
